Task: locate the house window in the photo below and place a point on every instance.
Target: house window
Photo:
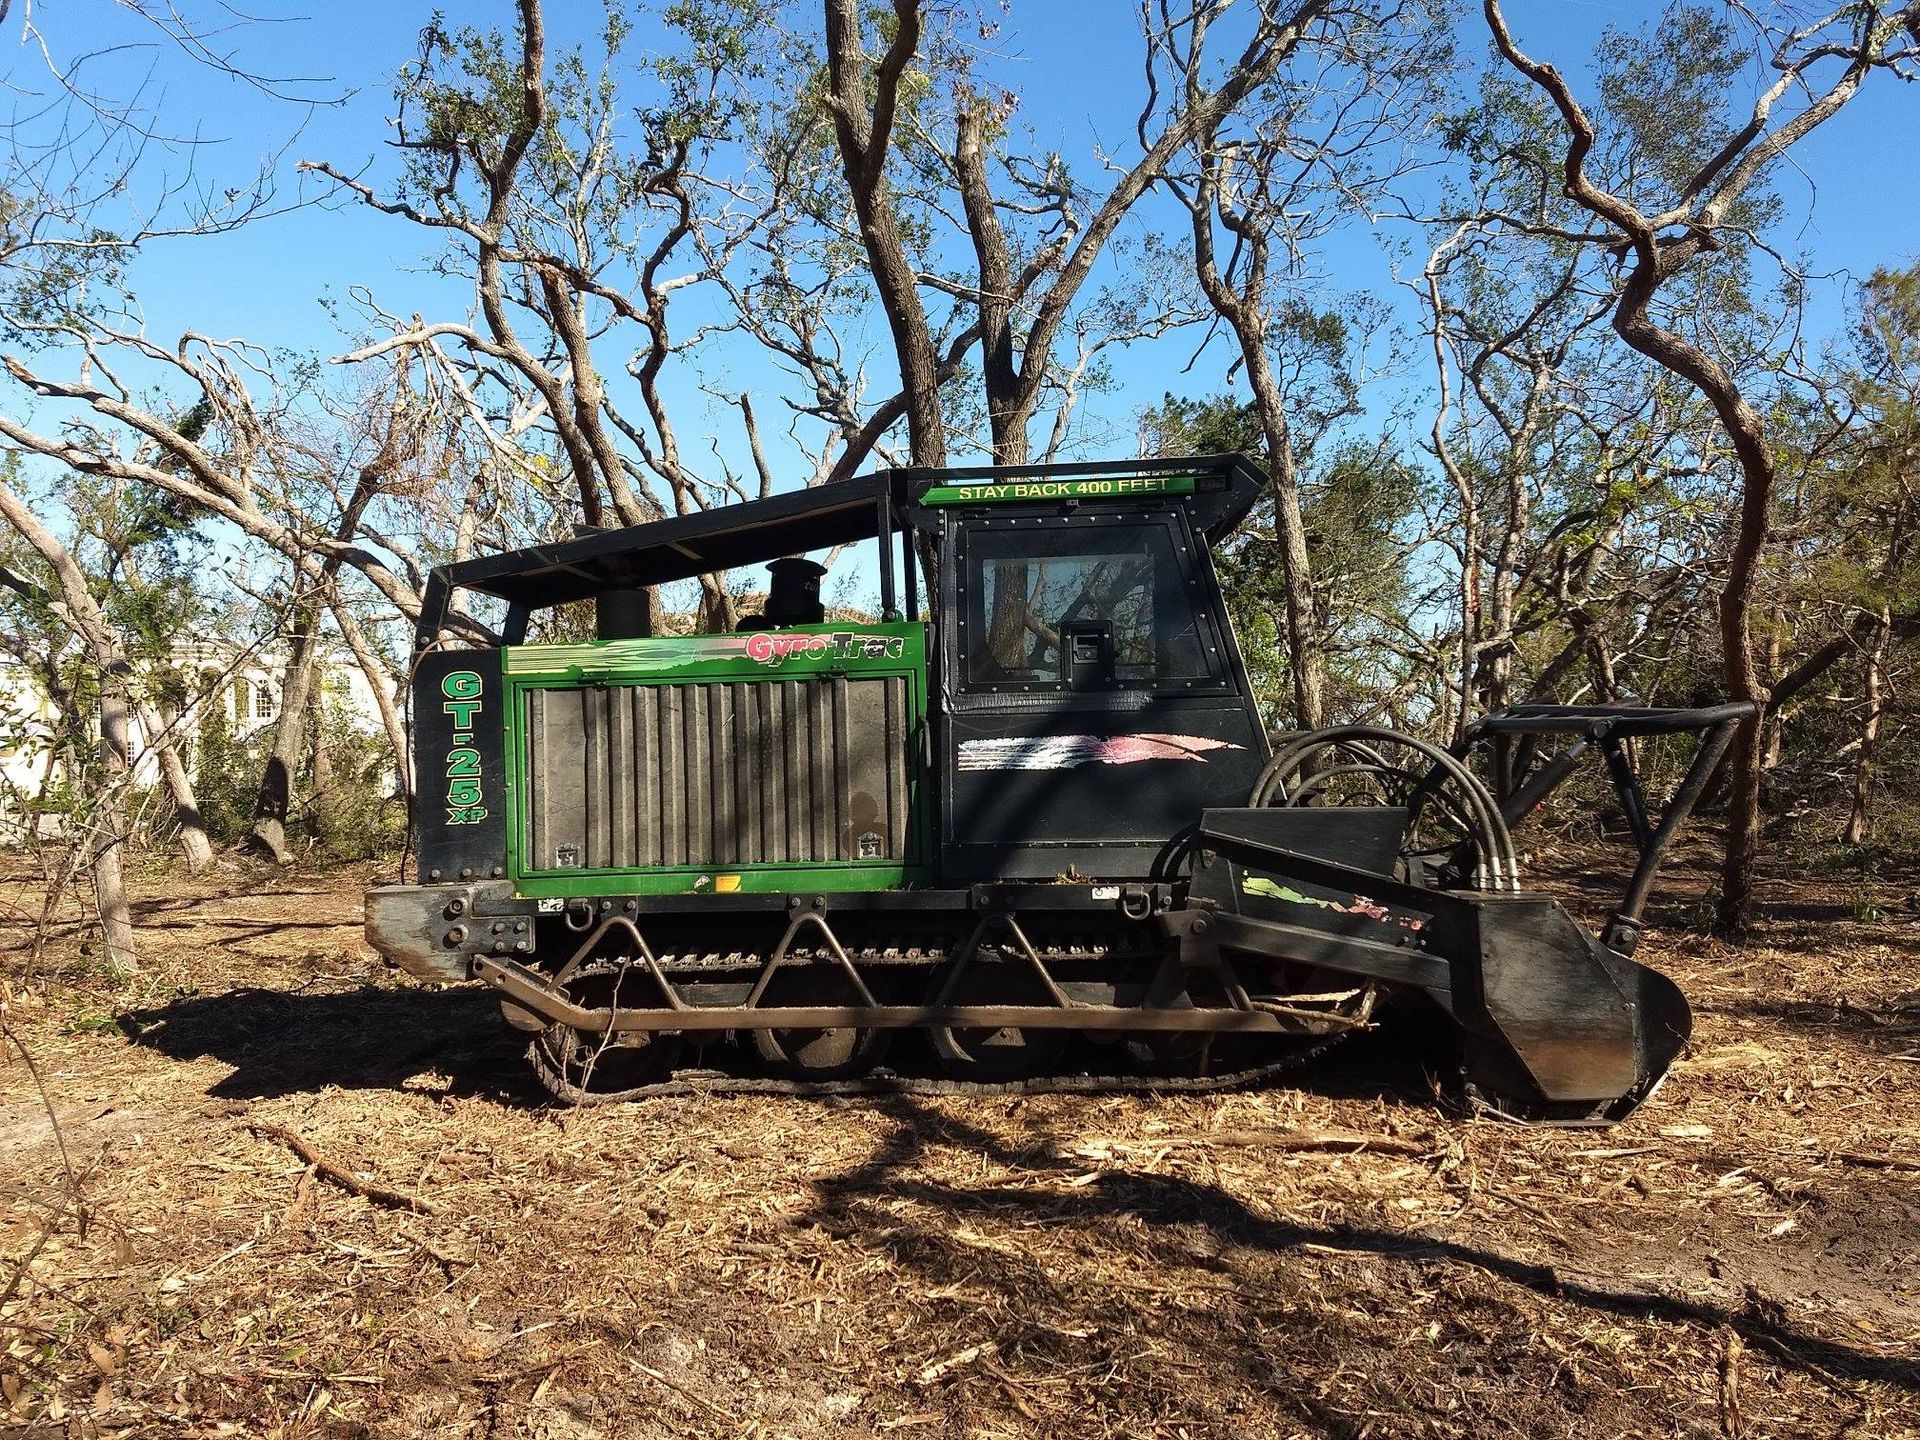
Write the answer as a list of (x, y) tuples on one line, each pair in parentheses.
[(262, 703)]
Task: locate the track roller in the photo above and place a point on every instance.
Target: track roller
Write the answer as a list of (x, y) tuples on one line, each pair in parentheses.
[(1006, 1054), (836, 1054)]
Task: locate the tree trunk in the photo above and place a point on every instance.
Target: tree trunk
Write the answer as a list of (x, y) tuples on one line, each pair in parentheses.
[(382, 686), (107, 834), (289, 739), (1244, 306), (194, 844), (1305, 663), (108, 838), (863, 103), (1748, 770), (1758, 472), (718, 613), (1497, 661), (321, 751), (1600, 665), (1774, 725), (1469, 608), (1008, 641), (1859, 828), (289, 726)]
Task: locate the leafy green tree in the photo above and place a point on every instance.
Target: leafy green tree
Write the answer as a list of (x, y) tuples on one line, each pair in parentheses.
[(1855, 541), (1356, 502), (1665, 214)]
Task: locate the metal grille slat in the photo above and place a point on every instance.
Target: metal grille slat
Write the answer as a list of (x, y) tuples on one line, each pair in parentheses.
[(820, 770), (717, 774), (842, 772), (641, 700), (697, 757), (623, 763), (799, 767), (540, 793), (896, 782), (673, 816), (596, 798), (718, 849), (773, 768)]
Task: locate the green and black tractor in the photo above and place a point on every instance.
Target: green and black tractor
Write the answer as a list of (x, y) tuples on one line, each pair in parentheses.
[(1024, 828)]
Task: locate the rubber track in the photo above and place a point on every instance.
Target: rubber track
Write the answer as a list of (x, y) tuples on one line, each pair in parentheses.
[(718, 1082), (703, 1082)]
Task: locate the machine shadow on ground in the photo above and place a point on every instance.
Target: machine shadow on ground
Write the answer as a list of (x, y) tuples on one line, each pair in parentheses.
[(283, 1042), (287, 1042), (1279, 1308)]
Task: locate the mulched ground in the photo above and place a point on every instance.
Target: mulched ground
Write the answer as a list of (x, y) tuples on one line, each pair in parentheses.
[(1345, 1259)]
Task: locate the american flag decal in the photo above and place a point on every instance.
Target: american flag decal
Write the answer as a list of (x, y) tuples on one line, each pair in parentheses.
[(1068, 752)]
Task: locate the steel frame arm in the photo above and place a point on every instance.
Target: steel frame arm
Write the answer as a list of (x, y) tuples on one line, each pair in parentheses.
[(1609, 726)]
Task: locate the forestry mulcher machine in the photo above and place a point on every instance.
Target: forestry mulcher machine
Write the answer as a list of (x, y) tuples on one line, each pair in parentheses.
[(1039, 823)]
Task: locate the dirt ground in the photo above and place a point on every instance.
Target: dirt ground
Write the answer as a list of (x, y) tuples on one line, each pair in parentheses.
[(1342, 1259)]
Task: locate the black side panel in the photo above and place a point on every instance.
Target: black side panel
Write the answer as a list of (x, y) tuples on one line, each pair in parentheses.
[(459, 765), (1362, 837), (1107, 792)]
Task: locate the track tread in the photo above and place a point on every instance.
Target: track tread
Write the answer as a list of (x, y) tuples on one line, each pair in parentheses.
[(703, 1083)]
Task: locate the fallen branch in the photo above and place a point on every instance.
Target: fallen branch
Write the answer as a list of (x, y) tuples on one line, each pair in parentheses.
[(74, 1193), (344, 1178), (1877, 1162), (1343, 1141)]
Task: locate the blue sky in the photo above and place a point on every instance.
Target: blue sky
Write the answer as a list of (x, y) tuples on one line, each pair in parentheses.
[(1075, 66)]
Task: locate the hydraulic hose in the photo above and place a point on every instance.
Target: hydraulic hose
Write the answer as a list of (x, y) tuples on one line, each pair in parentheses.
[(1497, 866)]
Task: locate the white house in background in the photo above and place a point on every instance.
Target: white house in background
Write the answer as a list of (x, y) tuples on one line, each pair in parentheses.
[(244, 684)]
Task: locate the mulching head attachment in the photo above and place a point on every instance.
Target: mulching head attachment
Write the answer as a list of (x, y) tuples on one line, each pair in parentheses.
[(1381, 855), (1555, 1027), (1558, 1027)]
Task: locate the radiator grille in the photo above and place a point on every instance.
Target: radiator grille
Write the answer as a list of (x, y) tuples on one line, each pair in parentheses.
[(627, 777)]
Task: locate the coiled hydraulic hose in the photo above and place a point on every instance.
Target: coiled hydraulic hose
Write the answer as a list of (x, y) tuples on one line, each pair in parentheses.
[(1496, 865)]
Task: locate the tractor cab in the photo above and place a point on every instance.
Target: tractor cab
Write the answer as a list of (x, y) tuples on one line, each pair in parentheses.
[(1091, 700)]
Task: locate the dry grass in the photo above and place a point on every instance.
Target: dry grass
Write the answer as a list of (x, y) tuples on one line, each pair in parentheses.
[(316, 1200)]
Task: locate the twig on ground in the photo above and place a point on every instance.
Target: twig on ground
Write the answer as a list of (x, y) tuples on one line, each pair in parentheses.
[(679, 1389), (74, 1194), (1342, 1141), (339, 1175), (1876, 1162), (1730, 1418), (933, 1372)]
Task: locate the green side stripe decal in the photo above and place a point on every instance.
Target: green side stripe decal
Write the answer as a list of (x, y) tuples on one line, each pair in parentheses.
[(856, 648), (1118, 487)]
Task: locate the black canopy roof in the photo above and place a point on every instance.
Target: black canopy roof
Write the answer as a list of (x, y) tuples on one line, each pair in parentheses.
[(681, 546), (732, 536)]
